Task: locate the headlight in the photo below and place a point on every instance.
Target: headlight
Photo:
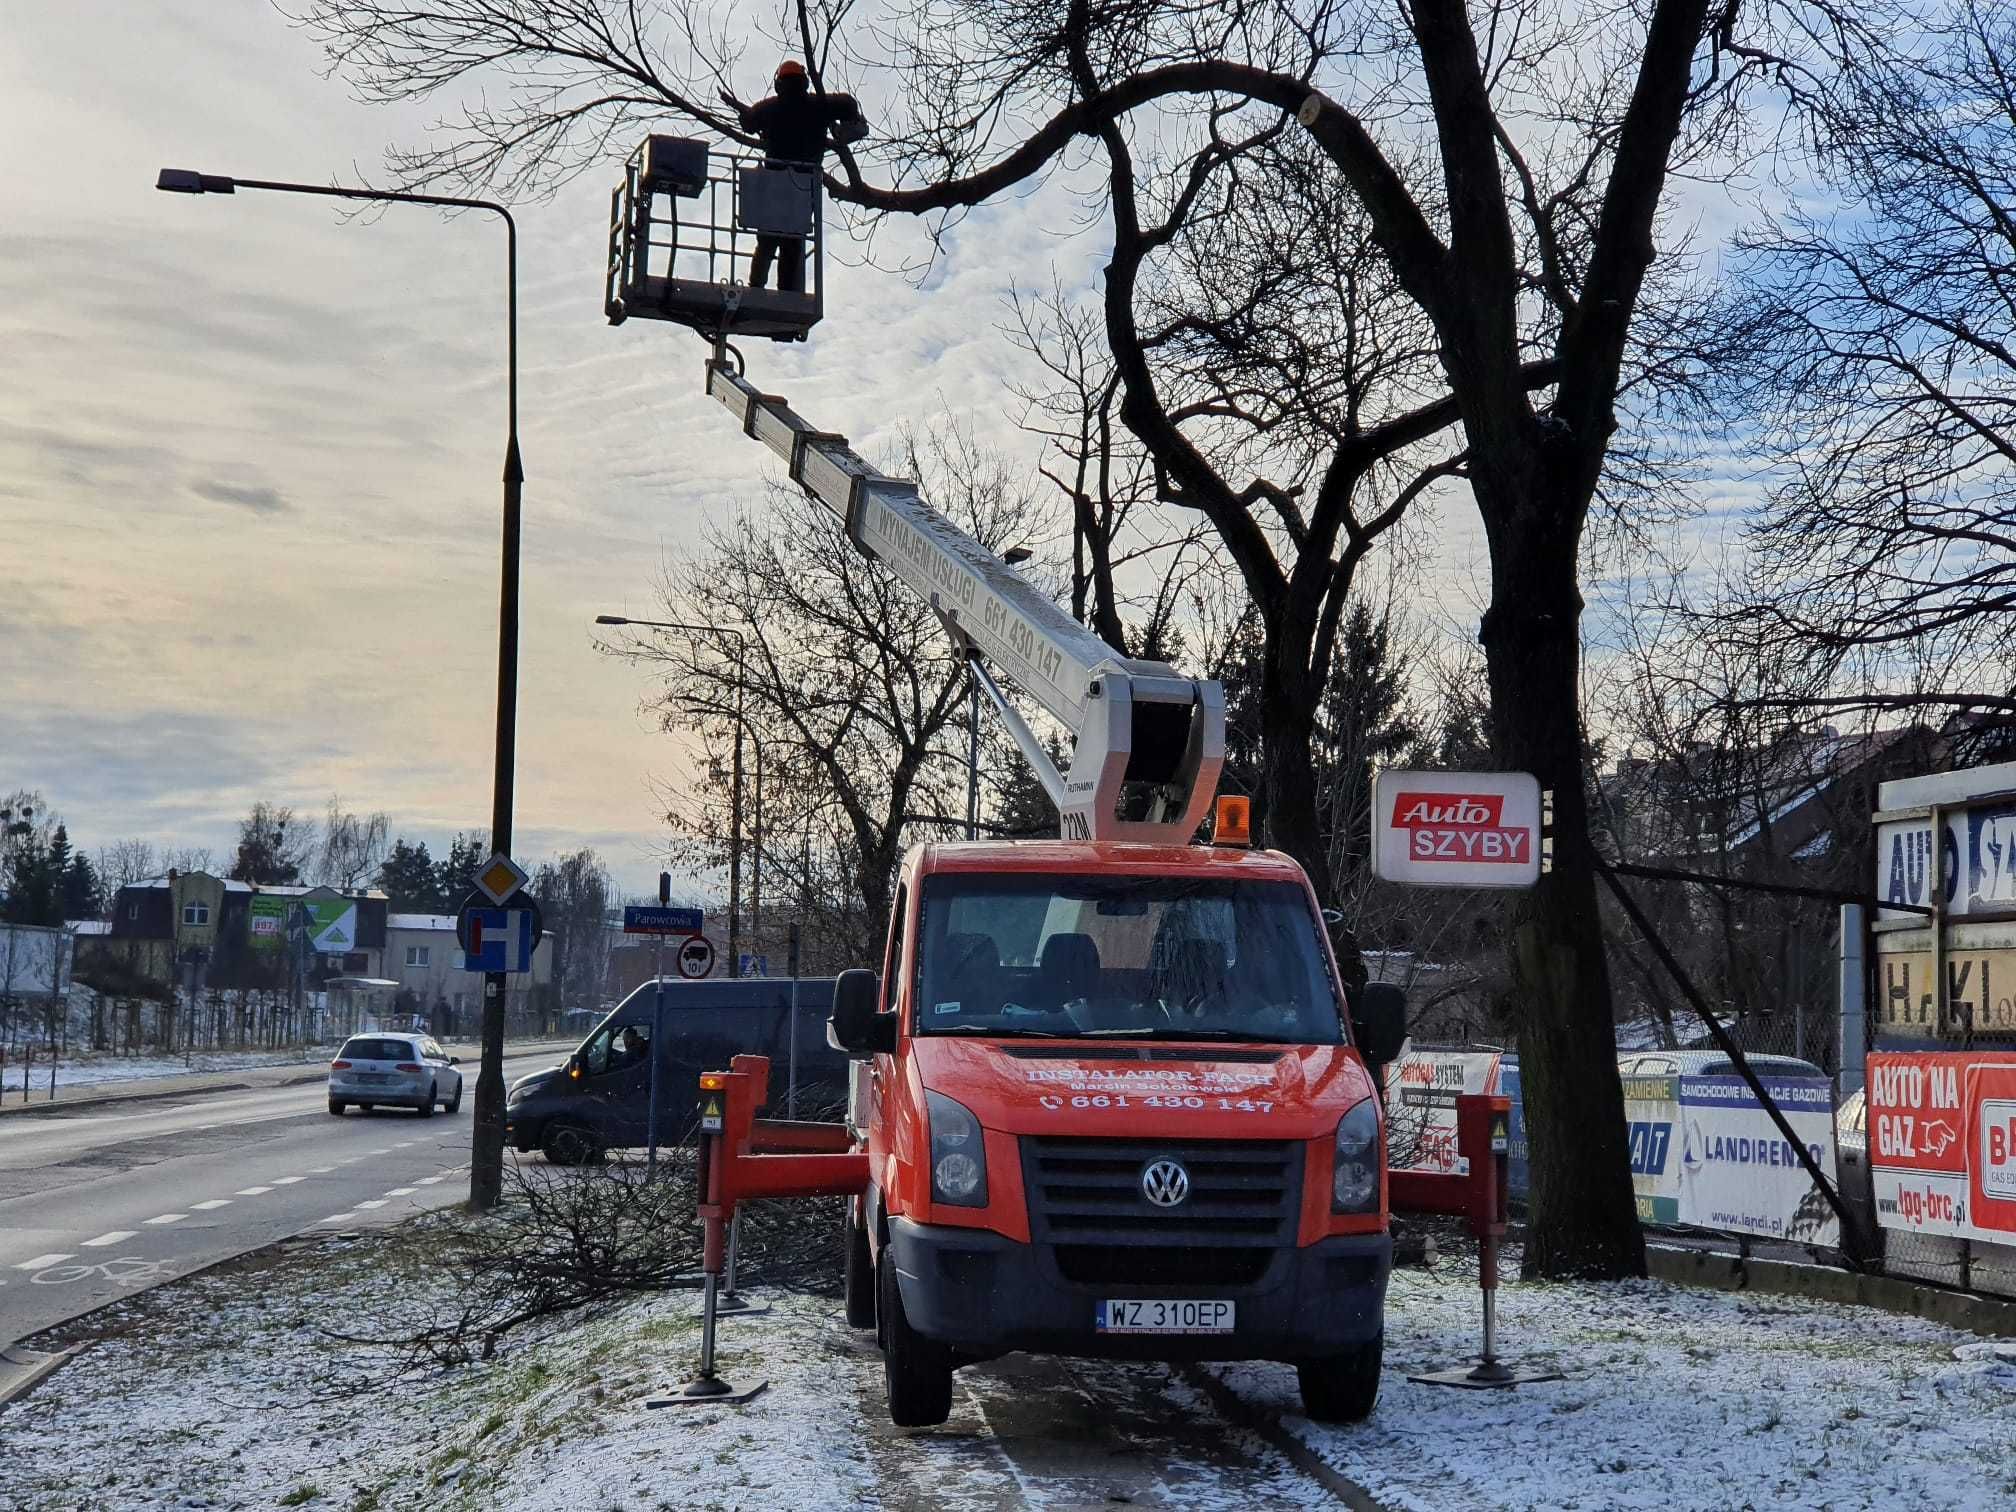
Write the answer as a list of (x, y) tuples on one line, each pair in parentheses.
[(517, 1094), (958, 1153), (1355, 1186)]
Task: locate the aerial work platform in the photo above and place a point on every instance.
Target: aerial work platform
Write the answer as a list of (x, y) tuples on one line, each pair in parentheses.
[(686, 228)]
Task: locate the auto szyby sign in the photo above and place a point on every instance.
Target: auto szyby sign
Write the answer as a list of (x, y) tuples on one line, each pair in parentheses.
[(1457, 829)]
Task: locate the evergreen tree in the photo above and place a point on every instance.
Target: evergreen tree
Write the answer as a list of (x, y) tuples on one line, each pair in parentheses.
[(83, 895), (271, 847), (455, 873), (412, 882)]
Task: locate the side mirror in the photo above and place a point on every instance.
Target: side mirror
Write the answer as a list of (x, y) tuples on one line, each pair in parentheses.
[(855, 1026), (575, 1070), (1379, 1022), (454, 1060)]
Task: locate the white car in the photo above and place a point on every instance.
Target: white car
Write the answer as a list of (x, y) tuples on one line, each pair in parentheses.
[(397, 1070)]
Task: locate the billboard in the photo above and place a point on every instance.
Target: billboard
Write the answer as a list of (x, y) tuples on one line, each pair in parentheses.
[(1942, 1142), (35, 961), (1421, 1091), (1706, 1154), (331, 923)]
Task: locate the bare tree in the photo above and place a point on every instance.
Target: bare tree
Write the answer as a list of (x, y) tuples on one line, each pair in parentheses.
[(849, 682), (124, 862), (1505, 166), (352, 847), (273, 847), (1878, 338)]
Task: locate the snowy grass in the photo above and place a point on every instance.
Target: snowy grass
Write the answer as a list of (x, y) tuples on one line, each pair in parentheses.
[(91, 1069), (224, 1391), (1676, 1399)]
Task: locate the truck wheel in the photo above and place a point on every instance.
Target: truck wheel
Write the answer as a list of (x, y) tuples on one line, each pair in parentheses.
[(918, 1370), (569, 1144), (860, 1271), (1343, 1388)]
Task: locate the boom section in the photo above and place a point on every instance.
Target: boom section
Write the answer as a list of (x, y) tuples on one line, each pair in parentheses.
[(1148, 742)]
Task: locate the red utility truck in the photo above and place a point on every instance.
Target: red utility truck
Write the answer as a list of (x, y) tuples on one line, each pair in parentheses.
[(1112, 1107), (1113, 1099)]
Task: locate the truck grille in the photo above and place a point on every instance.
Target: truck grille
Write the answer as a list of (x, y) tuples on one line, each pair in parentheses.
[(1244, 1194)]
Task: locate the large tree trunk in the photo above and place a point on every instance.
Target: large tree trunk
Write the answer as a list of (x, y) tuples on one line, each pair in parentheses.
[(1287, 798), (1584, 1218)]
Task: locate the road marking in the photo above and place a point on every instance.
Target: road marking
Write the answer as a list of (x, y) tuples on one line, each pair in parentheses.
[(337, 1218), (214, 1202), (43, 1262), (251, 1191), (168, 1218), (405, 1144), (430, 1180), (117, 1236), (402, 1191), (290, 1180), (386, 1151), (375, 1202), (317, 1171)]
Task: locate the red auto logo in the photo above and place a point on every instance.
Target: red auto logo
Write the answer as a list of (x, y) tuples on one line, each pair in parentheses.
[(1938, 1137)]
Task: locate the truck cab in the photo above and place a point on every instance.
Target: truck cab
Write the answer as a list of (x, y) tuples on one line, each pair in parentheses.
[(1115, 1104)]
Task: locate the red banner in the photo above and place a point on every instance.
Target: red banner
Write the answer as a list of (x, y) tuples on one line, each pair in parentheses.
[(1942, 1142)]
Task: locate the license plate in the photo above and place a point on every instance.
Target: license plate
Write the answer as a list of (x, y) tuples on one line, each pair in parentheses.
[(370, 1076), (1162, 1316)]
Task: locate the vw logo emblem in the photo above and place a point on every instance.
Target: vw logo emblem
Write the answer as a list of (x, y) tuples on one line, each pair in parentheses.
[(1165, 1183)]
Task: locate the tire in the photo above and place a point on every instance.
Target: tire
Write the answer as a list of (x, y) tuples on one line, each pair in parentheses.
[(426, 1109), (1343, 1388), (336, 1106), (860, 1271), (918, 1370), (569, 1144), (454, 1104)]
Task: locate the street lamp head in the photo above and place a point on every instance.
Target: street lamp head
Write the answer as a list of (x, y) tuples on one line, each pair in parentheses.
[(186, 180), (610, 619), (189, 181)]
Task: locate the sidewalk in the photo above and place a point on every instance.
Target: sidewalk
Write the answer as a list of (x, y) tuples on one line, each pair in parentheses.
[(272, 1073)]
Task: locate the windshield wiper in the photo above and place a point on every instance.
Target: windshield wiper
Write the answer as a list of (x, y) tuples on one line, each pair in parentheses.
[(990, 1032), (1190, 1034)]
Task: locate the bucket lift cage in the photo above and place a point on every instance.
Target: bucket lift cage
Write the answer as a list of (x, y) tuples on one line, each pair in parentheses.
[(683, 232)]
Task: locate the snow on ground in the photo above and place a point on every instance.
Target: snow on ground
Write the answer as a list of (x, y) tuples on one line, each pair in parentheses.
[(1676, 1398), (93, 1069), (217, 1394)]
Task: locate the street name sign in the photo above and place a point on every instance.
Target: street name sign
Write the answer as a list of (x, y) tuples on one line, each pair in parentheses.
[(656, 919)]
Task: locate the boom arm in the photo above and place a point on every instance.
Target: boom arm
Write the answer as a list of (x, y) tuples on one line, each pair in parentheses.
[(1149, 742)]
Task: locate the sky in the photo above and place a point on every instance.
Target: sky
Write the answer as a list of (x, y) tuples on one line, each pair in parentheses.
[(250, 450)]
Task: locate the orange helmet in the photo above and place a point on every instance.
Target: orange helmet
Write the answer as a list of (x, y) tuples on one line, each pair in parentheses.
[(790, 68)]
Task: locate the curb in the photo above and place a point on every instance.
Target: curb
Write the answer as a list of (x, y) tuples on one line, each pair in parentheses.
[(1725, 1272), (22, 1369)]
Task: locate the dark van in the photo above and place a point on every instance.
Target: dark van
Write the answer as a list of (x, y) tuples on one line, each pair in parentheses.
[(599, 1098)]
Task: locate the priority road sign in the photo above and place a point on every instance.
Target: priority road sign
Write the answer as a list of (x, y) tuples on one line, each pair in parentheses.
[(696, 958), (653, 919), (499, 877)]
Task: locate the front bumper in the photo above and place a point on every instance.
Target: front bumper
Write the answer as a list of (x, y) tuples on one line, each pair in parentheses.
[(984, 1295)]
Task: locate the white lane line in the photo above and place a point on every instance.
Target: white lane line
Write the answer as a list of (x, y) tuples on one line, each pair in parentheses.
[(317, 1171), (402, 1191), (251, 1191), (43, 1262), (386, 1151), (337, 1218), (214, 1202), (167, 1218), (287, 1180), (117, 1236), (375, 1202), (430, 1180), (405, 1144)]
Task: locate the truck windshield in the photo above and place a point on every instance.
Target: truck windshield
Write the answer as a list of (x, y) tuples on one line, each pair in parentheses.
[(1139, 957)]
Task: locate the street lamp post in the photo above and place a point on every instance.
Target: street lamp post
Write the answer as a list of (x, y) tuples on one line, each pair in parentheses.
[(735, 787), (486, 1160)]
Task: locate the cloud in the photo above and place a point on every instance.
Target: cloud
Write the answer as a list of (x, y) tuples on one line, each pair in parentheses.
[(257, 498)]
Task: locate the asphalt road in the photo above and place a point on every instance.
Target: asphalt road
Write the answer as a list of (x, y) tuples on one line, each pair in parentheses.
[(99, 1202)]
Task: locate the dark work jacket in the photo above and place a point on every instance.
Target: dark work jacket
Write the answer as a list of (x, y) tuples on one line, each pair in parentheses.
[(792, 127)]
